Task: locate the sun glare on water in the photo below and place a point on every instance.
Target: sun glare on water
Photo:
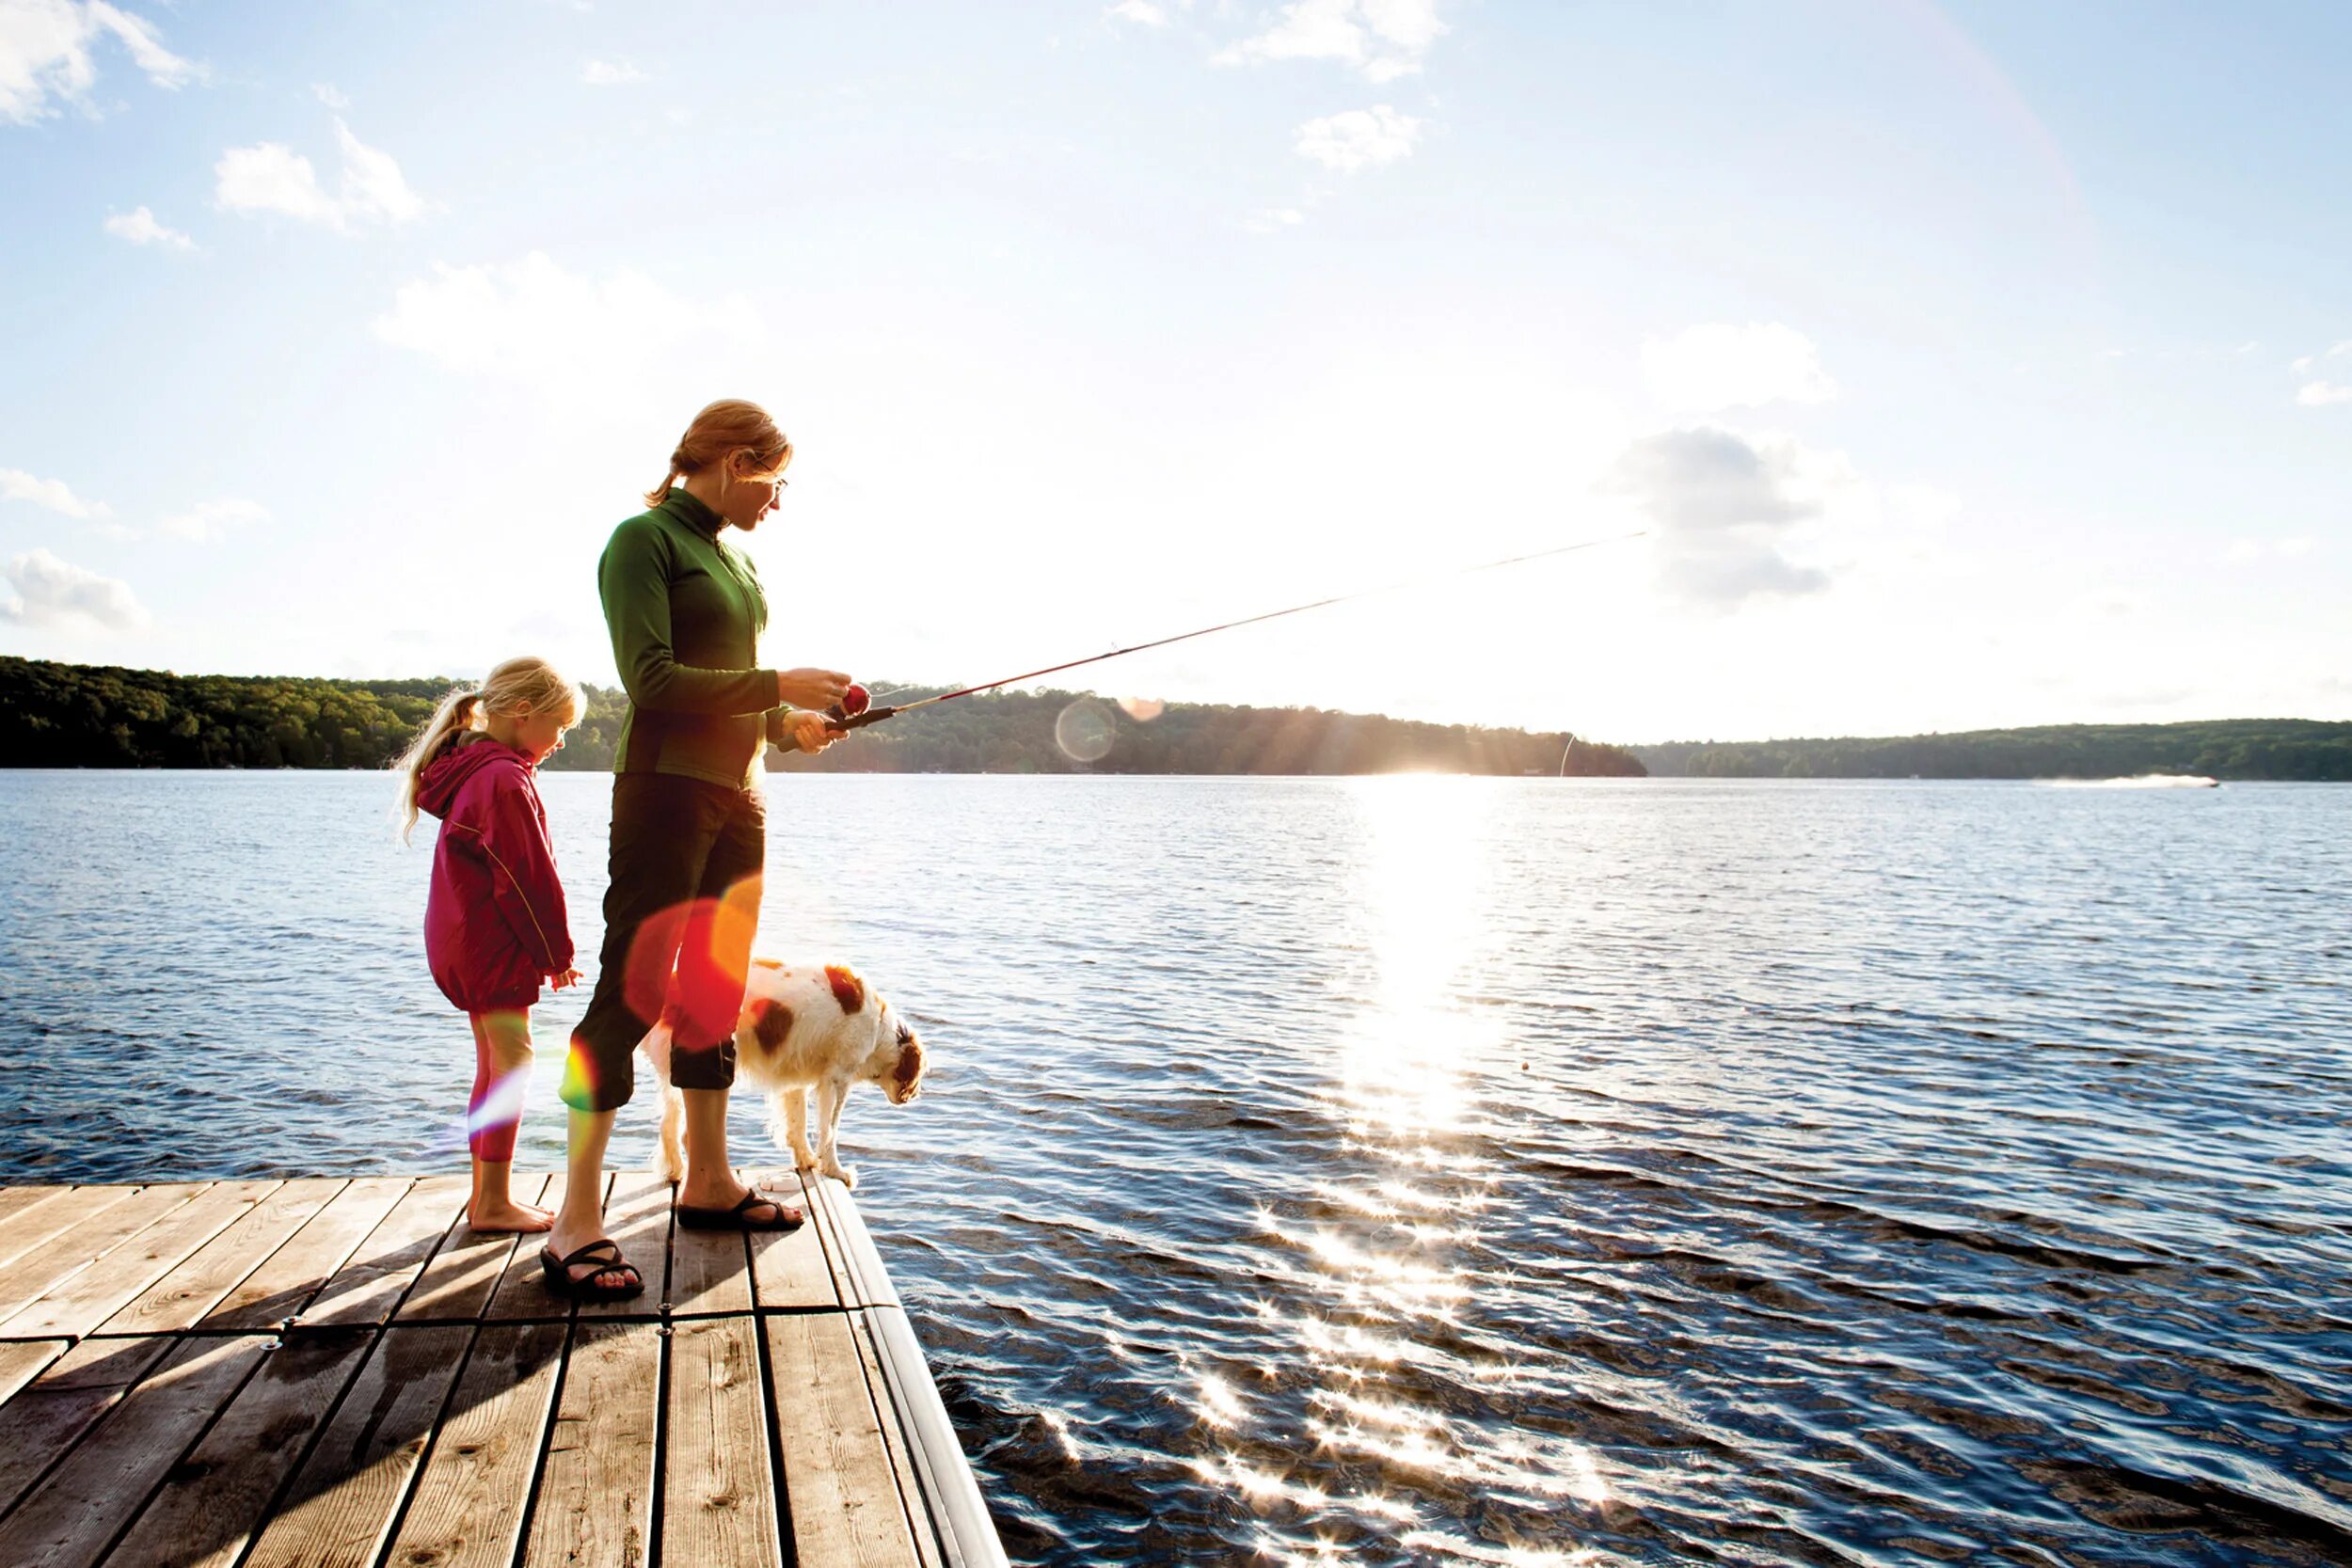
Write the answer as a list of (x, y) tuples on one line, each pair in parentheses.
[(1374, 1260)]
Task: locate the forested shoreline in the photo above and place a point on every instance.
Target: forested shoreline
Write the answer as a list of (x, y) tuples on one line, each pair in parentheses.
[(2243, 750), (57, 714)]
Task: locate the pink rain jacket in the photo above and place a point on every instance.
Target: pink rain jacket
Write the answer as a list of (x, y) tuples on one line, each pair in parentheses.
[(494, 923)]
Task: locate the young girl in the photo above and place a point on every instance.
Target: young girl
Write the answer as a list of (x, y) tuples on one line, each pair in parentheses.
[(494, 923)]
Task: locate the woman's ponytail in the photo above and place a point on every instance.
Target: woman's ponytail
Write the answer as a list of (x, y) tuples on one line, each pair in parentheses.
[(724, 428), (661, 492)]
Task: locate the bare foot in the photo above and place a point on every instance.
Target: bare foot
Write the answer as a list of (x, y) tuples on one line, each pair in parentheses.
[(506, 1218)]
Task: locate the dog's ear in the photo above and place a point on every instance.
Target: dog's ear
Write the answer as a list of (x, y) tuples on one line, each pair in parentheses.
[(907, 1078)]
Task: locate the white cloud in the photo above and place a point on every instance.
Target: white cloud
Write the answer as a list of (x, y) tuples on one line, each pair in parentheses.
[(373, 186), (1273, 220), (1720, 504), (2320, 391), (45, 54), (604, 74), (1359, 138), (49, 591), (270, 177), (1140, 12), (18, 486), (208, 522), (1716, 365), (330, 95), (139, 227), (2316, 393), (1383, 38), (2244, 551), (532, 321)]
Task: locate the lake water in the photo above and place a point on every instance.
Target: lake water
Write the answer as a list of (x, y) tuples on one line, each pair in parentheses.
[(1412, 1169)]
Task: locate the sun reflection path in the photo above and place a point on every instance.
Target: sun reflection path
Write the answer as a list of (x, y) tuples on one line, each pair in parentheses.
[(1374, 1283)]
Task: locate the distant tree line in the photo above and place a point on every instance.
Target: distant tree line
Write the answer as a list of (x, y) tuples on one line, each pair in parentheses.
[(82, 716), (1026, 732), (2231, 749)]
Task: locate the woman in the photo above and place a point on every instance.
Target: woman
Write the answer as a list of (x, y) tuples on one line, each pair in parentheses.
[(689, 827)]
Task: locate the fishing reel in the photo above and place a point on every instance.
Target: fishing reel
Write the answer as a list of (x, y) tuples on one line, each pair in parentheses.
[(855, 710)]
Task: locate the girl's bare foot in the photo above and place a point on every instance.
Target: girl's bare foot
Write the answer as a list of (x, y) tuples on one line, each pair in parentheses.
[(501, 1218)]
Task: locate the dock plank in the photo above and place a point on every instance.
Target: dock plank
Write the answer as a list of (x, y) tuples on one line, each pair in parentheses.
[(34, 1223), (789, 1268), (22, 1361), (70, 1397), (596, 1489), (69, 1519), (81, 1240), (347, 1493), (465, 1513), (458, 1283), (708, 1272), (847, 1511), (15, 1200), (181, 1298), (295, 1273), (637, 1215), (369, 1288), (91, 1295), (718, 1494), (213, 1501), (903, 1462)]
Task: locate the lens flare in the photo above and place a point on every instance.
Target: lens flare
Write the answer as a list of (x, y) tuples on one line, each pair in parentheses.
[(1085, 730), (697, 955)]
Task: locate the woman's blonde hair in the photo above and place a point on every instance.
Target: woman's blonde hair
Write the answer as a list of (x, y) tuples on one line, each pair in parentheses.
[(515, 687), (719, 432)]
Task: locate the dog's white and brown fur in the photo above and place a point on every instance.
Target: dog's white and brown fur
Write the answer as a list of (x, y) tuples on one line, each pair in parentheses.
[(803, 1026)]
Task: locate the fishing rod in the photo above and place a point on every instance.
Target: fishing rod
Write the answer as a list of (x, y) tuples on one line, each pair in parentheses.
[(842, 718)]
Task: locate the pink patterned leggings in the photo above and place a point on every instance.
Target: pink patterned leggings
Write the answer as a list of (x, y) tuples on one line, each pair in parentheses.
[(502, 1077)]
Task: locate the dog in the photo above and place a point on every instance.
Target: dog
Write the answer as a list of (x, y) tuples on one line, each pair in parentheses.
[(803, 1026)]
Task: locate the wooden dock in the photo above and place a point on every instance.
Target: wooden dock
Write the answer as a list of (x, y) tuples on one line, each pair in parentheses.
[(339, 1374)]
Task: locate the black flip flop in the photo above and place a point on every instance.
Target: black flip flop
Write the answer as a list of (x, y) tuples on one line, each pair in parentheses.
[(737, 1218), (606, 1253)]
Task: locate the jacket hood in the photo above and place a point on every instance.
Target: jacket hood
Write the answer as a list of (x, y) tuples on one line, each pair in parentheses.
[(445, 775)]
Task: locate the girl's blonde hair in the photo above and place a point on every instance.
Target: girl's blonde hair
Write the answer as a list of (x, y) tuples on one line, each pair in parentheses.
[(719, 432), (515, 686)]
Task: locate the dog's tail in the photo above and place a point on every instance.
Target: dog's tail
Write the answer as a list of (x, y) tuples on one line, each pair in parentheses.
[(671, 1162)]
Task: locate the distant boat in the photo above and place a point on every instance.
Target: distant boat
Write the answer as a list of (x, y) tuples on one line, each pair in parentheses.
[(2142, 780)]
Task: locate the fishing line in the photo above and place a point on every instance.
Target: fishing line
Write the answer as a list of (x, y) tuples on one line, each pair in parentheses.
[(840, 719)]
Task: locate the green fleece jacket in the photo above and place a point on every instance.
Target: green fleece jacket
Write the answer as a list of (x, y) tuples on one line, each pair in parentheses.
[(686, 613)]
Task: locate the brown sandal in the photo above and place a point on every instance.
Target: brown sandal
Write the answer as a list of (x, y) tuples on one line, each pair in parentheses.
[(573, 1286), (739, 1217)]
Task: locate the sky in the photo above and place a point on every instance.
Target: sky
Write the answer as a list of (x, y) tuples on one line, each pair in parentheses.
[(1959, 364)]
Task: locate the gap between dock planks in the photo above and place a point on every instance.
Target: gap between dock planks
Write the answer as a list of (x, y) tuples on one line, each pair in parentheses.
[(320, 1371)]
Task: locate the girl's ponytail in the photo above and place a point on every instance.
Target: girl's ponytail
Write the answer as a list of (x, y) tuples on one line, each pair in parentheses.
[(450, 719), (517, 686)]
